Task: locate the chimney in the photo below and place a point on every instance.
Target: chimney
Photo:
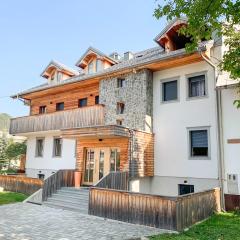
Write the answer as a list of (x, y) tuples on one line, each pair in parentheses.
[(115, 56), (128, 56)]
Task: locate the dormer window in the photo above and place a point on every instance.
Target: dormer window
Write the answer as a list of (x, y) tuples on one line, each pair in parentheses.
[(91, 67), (99, 65)]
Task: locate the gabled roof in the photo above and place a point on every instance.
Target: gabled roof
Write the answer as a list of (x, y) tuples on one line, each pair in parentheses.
[(171, 24), (59, 66), (92, 50)]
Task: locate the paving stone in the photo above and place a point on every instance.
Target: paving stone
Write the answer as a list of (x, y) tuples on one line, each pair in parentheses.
[(24, 221)]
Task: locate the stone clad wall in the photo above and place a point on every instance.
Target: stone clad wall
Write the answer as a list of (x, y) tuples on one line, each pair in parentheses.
[(137, 95)]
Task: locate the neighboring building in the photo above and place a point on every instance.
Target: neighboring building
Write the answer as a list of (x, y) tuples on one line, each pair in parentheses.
[(163, 114)]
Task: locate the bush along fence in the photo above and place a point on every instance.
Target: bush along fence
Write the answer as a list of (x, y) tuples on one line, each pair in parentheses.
[(173, 213)]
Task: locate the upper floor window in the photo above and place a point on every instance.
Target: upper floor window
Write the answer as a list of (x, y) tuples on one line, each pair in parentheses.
[(99, 65), (57, 147), (39, 147), (169, 91), (196, 86), (42, 109), (82, 102), (91, 67), (119, 122), (96, 99), (199, 143), (121, 82), (60, 106), (120, 108)]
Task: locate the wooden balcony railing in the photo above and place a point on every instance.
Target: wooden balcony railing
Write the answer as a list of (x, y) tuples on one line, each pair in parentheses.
[(76, 118)]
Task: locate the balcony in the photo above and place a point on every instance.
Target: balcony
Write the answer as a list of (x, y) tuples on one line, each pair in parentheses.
[(76, 118)]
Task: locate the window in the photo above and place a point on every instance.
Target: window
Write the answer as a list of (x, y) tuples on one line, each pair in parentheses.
[(199, 143), (119, 122), (114, 160), (60, 106), (91, 67), (99, 65), (121, 82), (120, 108), (57, 147), (96, 99), (39, 147), (82, 102), (42, 109), (196, 86), (169, 91), (185, 189)]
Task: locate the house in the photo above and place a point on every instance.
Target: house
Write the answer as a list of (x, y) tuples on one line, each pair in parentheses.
[(164, 115)]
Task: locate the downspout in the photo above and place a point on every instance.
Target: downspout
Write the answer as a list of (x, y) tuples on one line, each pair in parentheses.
[(221, 169)]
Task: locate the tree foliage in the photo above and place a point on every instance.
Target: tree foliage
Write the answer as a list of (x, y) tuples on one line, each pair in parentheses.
[(206, 18), (15, 150)]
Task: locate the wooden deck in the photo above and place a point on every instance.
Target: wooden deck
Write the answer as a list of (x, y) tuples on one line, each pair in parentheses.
[(77, 118)]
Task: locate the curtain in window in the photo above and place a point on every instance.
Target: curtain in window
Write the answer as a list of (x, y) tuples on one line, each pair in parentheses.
[(199, 138), (197, 86), (57, 147)]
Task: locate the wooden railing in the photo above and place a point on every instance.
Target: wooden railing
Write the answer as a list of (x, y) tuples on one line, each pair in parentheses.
[(62, 178), (20, 184), (77, 118), (115, 180), (173, 213)]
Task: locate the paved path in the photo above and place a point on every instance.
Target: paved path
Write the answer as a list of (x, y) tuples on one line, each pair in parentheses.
[(24, 221)]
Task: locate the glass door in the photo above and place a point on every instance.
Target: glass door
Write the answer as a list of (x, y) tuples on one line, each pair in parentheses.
[(89, 166)]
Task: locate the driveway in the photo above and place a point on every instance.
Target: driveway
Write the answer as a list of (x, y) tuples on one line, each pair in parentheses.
[(24, 221)]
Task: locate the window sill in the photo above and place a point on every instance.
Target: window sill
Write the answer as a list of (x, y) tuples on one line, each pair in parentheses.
[(170, 101), (199, 158), (197, 98)]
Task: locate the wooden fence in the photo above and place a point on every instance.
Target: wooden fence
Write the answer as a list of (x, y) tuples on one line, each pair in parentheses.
[(173, 213), (20, 184), (62, 178), (232, 202), (115, 180)]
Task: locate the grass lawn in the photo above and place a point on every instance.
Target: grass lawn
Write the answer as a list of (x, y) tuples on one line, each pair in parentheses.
[(223, 226), (11, 197)]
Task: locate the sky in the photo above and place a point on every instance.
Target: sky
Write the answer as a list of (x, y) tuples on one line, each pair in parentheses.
[(35, 32)]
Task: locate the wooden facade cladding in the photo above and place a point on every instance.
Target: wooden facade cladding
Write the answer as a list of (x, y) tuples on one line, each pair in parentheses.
[(69, 97), (121, 143), (77, 118)]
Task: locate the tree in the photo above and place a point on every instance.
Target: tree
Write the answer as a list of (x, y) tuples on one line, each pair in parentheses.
[(3, 147), (15, 150), (206, 17)]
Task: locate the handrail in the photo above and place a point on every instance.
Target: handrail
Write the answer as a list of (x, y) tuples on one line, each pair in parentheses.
[(62, 178), (114, 180)]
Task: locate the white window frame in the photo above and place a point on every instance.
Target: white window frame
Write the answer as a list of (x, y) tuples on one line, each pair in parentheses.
[(187, 76), (190, 157), (43, 139), (162, 81)]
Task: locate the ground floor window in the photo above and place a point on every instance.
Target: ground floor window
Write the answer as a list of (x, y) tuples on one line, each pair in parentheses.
[(57, 147), (39, 147), (185, 189)]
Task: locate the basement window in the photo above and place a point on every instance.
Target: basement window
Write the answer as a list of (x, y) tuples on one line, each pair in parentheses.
[(185, 189)]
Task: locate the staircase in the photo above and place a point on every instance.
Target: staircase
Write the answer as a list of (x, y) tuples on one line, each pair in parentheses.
[(69, 198)]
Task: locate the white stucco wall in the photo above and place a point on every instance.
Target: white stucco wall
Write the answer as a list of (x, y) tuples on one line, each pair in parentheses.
[(48, 164), (171, 121), (231, 130)]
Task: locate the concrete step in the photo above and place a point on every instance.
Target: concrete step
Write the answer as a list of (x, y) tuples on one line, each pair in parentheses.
[(68, 201), (73, 193), (70, 197), (66, 207)]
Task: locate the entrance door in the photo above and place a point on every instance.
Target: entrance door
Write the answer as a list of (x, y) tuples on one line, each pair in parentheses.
[(99, 162)]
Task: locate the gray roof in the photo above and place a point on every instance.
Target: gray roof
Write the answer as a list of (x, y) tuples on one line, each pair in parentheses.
[(141, 58), (60, 66)]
